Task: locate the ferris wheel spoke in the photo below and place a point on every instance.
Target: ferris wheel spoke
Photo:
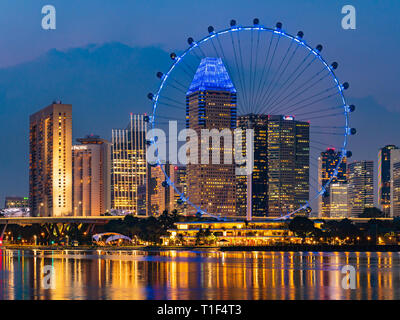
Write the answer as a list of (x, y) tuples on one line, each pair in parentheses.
[(196, 54), (288, 110), (243, 71), (271, 95), (327, 133), (254, 74), (268, 72), (181, 86), (239, 74), (323, 116), (295, 93), (312, 85), (321, 144), (286, 84), (172, 105), (177, 88), (262, 73), (201, 51), (239, 105), (294, 81), (274, 81), (166, 117), (330, 127), (251, 70), (316, 112)]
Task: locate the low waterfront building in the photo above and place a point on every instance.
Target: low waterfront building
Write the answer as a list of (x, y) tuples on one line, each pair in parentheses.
[(267, 232), (16, 202)]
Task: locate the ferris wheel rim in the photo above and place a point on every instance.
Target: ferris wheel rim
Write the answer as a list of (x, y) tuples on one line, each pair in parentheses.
[(280, 32)]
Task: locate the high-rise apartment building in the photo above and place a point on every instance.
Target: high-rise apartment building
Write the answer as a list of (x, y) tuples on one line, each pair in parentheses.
[(129, 166), (384, 178), (288, 164), (327, 163), (91, 167), (360, 176), (211, 104), (252, 189), (50, 161)]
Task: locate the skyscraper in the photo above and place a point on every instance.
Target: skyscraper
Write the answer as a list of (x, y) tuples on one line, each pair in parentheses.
[(288, 164), (50, 161), (180, 179), (384, 178), (91, 167), (258, 190), (360, 175), (163, 197), (327, 163), (338, 200), (211, 104), (129, 166)]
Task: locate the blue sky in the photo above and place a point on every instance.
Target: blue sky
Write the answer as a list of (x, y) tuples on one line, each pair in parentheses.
[(367, 56)]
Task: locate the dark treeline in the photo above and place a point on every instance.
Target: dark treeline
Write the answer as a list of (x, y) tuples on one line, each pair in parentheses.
[(346, 231)]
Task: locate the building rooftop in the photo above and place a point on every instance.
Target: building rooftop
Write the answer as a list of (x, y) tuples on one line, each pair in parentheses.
[(211, 75)]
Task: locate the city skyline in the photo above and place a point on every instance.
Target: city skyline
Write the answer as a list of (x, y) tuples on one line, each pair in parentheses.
[(376, 101)]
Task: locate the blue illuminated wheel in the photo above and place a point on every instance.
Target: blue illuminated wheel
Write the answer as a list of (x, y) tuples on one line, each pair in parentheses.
[(277, 75)]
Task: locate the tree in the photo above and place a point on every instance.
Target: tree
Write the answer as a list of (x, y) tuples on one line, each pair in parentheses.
[(302, 227), (180, 238), (372, 213), (200, 236)]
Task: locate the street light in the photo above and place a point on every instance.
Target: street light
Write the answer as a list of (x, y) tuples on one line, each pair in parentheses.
[(35, 237), (40, 208)]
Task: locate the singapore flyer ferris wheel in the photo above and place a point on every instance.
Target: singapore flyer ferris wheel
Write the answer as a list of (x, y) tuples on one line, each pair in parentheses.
[(278, 85)]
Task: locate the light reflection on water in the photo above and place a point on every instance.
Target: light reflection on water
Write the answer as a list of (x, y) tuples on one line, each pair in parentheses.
[(197, 275)]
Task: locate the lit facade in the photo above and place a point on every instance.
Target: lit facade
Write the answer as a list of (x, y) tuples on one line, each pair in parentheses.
[(211, 104), (16, 202), (129, 166), (288, 164), (360, 175), (161, 196), (338, 200), (232, 233), (384, 178), (50, 161), (254, 185), (180, 180), (327, 163), (91, 168)]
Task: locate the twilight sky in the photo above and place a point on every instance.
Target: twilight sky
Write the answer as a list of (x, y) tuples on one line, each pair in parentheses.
[(103, 56)]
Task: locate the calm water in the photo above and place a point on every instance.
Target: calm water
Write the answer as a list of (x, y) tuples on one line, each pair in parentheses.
[(197, 275)]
